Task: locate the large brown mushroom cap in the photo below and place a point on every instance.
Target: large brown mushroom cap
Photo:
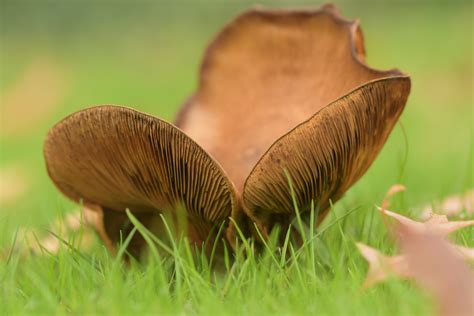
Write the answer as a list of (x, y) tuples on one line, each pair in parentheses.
[(267, 72), (326, 154), (117, 158)]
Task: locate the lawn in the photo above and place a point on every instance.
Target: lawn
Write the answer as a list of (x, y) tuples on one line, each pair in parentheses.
[(57, 58)]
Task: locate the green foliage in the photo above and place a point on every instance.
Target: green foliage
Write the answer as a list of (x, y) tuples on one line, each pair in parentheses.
[(323, 277)]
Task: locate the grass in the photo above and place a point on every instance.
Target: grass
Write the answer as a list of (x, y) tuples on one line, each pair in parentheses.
[(323, 277), (146, 56)]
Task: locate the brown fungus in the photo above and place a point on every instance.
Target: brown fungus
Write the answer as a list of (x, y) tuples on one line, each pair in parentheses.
[(267, 72), (114, 158), (325, 155), (281, 94)]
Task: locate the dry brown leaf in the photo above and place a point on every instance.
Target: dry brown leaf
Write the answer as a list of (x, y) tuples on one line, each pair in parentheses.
[(394, 189), (466, 253), (436, 266), (38, 91), (381, 266), (438, 224)]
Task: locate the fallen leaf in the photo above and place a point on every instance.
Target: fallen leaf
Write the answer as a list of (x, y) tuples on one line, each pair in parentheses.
[(436, 266), (436, 223), (381, 266), (467, 253), (394, 189)]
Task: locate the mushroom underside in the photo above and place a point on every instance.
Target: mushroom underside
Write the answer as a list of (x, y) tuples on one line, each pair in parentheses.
[(317, 161), (114, 158)]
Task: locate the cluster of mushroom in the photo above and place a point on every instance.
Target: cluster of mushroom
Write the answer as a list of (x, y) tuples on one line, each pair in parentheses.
[(281, 94)]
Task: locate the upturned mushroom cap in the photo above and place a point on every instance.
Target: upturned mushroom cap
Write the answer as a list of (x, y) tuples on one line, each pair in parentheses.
[(114, 158), (267, 72), (324, 155)]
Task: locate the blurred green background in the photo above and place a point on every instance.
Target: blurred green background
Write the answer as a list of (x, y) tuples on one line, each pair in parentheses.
[(58, 57)]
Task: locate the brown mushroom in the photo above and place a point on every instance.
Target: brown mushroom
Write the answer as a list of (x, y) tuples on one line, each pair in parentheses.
[(270, 70), (325, 155), (114, 158), (279, 92)]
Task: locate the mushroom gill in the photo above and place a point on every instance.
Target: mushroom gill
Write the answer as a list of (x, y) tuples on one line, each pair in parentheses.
[(324, 155), (113, 158)]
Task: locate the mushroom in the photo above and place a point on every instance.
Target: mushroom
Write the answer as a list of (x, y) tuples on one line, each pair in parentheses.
[(114, 158), (281, 94)]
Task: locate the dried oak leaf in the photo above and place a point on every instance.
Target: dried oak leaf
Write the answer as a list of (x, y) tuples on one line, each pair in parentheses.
[(435, 265), (381, 266), (438, 224), (280, 92), (431, 261)]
